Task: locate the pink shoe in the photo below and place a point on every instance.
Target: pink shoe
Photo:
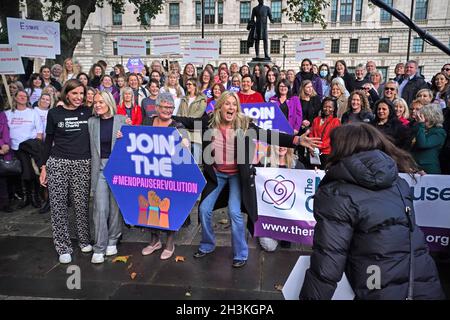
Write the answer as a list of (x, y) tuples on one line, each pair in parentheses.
[(151, 248), (166, 254)]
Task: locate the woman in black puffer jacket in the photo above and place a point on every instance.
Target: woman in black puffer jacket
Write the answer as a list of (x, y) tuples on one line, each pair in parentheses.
[(360, 209)]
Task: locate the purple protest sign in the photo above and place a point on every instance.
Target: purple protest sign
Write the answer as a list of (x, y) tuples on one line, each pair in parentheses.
[(135, 65), (267, 116)]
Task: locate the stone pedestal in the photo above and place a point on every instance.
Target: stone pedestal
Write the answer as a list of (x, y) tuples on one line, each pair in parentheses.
[(262, 61)]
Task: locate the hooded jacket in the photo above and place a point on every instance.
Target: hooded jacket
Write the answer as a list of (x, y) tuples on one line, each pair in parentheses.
[(361, 222)]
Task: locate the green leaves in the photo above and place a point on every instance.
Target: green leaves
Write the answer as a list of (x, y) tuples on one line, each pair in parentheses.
[(307, 11)]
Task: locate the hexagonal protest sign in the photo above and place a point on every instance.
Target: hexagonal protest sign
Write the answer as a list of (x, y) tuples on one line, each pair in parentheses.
[(153, 177)]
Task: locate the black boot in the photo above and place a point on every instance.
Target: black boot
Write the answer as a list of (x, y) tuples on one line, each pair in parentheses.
[(45, 208), (26, 201), (36, 198)]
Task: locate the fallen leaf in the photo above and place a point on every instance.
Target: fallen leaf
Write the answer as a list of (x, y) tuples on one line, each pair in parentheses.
[(133, 275), (123, 259), (129, 267), (279, 287), (223, 221), (179, 259)]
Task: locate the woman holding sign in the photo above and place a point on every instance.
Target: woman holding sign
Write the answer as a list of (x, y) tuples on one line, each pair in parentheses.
[(165, 105), (366, 225), (228, 156)]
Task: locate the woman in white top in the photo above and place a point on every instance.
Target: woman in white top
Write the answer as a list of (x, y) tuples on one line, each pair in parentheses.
[(70, 70), (269, 88), (24, 124), (173, 87)]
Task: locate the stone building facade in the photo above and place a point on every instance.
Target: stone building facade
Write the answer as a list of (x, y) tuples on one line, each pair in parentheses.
[(357, 31)]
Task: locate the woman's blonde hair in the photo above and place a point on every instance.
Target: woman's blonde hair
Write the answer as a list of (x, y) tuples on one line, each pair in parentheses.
[(302, 89), (125, 90), (65, 74), (273, 153), (401, 101), (48, 95), (109, 101), (177, 84), (241, 121), (338, 83)]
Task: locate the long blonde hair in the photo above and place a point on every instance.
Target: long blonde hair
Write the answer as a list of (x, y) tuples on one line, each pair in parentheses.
[(302, 89), (65, 74), (241, 121), (274, 157), (177, 84)]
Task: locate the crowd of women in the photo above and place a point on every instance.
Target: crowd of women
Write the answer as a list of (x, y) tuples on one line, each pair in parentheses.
[(63, 124)]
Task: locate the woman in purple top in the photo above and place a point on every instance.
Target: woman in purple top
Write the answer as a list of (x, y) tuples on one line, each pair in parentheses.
[(5, 153), (289, 104), (107, 84)]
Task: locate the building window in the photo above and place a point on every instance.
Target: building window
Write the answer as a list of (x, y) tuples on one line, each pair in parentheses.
[(245, 12), (353, 46), (147, 48), (174, 14), (335, 45), (276, 11), (115, 52), (358, 10), (334, 6), (421, 10), (384, 71), (117, 18), (145, 21), (210, 11), (383, 45), (220, 12), (384, 15), (243, 47), (346, 10), (198, 13), (274, 46), (417, 45), (220, 46)]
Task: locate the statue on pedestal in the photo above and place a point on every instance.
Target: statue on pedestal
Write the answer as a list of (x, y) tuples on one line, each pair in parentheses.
[(258, 28)]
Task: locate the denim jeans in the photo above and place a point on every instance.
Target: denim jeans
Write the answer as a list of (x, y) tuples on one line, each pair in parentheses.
[(207, 244)]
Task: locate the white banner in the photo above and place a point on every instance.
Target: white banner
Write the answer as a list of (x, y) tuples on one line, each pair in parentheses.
[(201, 51), (35, 39), (10, 61), (313, 49), (166, 45), (131, 46), (293, 286), (285, 205)]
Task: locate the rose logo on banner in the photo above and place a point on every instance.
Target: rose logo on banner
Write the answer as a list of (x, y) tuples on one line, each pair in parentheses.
[(279, 192)]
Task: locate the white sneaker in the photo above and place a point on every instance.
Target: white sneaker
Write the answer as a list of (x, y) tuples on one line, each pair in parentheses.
[(65, 258), (98, 258), (86, 249), (111, 250)]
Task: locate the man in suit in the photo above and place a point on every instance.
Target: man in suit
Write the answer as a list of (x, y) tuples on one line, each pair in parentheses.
[(259, 32)]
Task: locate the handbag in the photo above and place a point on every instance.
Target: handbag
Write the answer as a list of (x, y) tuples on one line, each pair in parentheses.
[(10, 167)]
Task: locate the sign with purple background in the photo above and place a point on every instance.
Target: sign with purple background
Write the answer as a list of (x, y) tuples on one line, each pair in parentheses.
[(285, 205), (135, 65), (267, 116)]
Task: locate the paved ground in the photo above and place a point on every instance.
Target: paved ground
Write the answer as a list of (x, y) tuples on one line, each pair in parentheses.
[(29, 267)]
